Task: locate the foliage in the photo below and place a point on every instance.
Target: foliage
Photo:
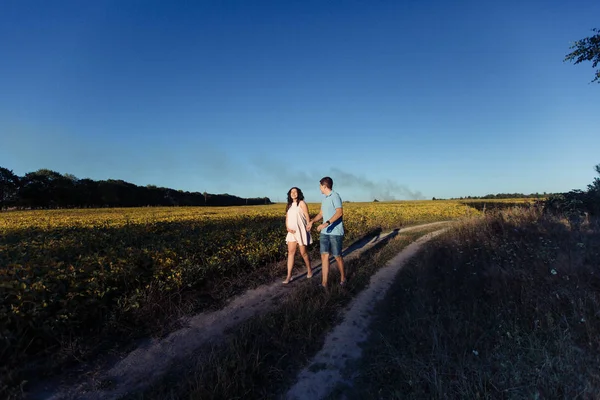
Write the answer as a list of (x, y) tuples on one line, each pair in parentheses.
[(501, 307), (486, 204), (593, 193), (72, 274), (9, 187), (49, 189), (479, 314), (577, 202), (587, 49), (504, 196)]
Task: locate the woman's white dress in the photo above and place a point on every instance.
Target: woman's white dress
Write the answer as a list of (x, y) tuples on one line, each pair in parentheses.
[(296, 221)]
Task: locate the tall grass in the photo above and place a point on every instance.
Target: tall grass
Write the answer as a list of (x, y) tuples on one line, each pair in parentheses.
[(501, 307)]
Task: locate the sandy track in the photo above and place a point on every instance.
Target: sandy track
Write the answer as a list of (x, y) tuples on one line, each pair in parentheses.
[(153, 359), (330, 368)]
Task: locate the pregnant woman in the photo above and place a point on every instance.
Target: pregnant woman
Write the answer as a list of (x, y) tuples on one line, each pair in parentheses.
[(297, 236)]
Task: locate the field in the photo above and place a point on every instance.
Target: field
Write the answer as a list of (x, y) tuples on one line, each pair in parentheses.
[(505, 306), (498, 204), (69, 277), (501, 306)]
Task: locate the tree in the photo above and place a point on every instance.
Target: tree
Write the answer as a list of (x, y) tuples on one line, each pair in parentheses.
[(88, 193), (577, 201), (9, 187), (595, 186), (593, 193), (44, 188), (587, 49)]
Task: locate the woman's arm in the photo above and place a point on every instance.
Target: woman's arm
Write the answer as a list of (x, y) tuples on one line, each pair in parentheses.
[(304, 209)]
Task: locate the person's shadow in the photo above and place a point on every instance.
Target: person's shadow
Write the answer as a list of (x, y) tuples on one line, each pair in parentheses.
[(373, 236)]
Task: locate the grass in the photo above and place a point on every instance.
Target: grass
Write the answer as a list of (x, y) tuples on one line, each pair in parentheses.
[(501, 307), (500, 204), (262, 357), (81, 283), (504, 306)]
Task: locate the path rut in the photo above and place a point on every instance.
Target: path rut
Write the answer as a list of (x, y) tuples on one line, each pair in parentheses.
[(331, 367)]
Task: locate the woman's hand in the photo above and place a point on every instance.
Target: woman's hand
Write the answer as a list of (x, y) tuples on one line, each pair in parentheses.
[(291, 231)]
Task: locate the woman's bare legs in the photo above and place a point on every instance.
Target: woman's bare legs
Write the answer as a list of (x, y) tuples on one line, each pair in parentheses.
[(290, 261), (306, 259)]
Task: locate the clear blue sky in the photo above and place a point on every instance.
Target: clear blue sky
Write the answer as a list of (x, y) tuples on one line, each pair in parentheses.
[(393, 99)]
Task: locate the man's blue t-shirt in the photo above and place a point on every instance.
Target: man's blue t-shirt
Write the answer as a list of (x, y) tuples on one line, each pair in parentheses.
[(328, 206)]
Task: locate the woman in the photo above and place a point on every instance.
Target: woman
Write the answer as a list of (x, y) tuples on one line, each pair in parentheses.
[(297, 236)]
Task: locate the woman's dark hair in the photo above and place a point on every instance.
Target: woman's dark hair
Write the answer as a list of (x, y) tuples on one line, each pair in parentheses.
[(289, 197)]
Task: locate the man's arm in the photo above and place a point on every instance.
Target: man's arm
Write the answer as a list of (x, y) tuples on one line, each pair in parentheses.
[(338, 214), (316, 218)]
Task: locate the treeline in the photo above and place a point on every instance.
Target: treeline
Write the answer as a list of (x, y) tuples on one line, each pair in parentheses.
[(574, 202), (504, 196), (49, 189)]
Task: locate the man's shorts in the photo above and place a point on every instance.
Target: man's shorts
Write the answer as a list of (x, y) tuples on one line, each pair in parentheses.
[(331, 244)]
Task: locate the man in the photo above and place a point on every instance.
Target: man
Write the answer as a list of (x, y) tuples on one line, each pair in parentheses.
[(332, 230)]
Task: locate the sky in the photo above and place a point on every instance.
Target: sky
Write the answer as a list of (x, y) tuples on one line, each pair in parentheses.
[(394, 100)]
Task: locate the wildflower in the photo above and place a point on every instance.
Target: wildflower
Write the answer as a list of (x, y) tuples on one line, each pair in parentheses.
[(553, 271), (475, 352)]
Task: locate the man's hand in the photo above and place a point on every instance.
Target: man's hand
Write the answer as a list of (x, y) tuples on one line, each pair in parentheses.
[(321, 227)]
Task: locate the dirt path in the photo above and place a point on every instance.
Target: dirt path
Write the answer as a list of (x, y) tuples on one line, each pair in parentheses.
[(152, 360), (330, 369)]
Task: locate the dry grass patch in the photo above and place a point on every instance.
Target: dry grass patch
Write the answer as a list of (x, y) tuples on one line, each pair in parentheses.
[(501, 307)]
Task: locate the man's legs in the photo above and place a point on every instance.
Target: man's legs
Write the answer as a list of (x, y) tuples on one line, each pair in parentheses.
[(324, 267), (336, 250), (340, 264), (325, 245)]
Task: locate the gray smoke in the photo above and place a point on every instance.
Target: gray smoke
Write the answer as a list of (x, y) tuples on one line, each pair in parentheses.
[(384, 191), (276, 174)]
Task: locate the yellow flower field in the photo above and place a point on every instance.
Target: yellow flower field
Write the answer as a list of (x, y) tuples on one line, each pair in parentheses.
[(69, 272)]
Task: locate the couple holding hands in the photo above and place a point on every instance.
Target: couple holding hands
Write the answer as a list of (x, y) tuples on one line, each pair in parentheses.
[(331, 231)]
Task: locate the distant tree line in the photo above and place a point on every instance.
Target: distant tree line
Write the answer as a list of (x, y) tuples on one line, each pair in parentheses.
[(500, 196), (574, 202), (49, 189)]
